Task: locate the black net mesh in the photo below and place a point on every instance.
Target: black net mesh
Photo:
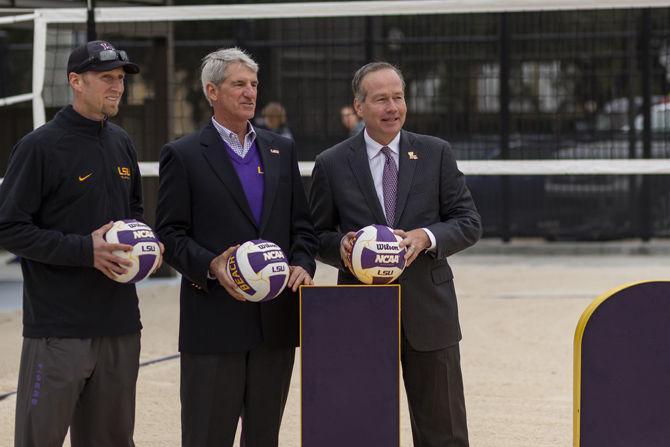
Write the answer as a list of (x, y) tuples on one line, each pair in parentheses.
[(528, 85)]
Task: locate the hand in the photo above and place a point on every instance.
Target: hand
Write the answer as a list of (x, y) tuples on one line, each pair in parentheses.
[(346, 245), (219, 269), (415, 241), (104, 258), (298, 276)]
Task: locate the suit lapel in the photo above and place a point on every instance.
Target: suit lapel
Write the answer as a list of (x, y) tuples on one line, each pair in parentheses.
[(270, 156), (409, 157), (216, 154), (360, 165)]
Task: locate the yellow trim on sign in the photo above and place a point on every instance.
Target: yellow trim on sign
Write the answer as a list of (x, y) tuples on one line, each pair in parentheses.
[(577, 360), (399, 354), (300, 341)]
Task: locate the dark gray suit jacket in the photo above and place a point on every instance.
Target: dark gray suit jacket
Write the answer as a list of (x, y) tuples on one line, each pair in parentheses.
[(431, 194)]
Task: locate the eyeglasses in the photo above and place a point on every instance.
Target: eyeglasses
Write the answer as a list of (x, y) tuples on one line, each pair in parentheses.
[(103, 56)]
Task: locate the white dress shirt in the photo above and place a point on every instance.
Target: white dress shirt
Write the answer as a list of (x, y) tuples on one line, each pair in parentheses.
[(376, 158)]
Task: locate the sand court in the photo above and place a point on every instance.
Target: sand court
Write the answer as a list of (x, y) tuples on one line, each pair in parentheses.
[(518, 316)]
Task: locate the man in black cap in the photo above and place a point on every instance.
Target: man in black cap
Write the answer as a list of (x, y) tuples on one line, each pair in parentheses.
[(66, 182)]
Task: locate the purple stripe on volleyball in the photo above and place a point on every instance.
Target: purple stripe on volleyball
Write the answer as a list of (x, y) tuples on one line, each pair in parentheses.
[(258, 262), (369, 259), (128, 237), (146, 262), (125, 237), (250, 291), (384, 234), (276, 286)]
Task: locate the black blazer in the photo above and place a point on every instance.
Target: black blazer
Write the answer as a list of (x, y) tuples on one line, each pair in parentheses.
[(202, 210), (431, 194)]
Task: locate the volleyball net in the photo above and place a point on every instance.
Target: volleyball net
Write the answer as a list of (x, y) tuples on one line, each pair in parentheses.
[(550, 106)]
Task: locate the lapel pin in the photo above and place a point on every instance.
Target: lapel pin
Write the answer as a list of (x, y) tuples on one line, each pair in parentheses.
[(412, 156), (274, 151)]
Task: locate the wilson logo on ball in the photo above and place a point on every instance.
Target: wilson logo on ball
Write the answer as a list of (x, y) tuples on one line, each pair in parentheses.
[(145, 254), (259, 270), (376, 257)]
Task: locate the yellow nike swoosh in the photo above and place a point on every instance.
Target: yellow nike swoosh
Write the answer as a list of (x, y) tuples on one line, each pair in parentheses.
[(84, 177)]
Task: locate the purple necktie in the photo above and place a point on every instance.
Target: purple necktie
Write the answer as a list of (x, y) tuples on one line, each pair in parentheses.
[(389, 185)]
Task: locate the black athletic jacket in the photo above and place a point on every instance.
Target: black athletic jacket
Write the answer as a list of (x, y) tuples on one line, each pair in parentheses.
[(65, 180)]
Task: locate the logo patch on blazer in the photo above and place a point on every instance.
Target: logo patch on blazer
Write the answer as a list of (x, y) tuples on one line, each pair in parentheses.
[(274, 151), (123, 172), (412, 156)]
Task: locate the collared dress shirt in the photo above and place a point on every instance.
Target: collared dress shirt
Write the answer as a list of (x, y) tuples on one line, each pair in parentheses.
[(377, 159), (231, 139)]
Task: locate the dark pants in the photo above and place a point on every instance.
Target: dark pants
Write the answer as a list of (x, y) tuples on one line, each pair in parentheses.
[(86, 384), (434, 387), (216, 390)]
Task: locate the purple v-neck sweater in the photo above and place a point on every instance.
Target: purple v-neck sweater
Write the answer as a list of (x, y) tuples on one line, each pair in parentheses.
[(250, 172)]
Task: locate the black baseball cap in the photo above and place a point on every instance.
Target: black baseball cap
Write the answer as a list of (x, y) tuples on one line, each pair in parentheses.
[(99, 55)]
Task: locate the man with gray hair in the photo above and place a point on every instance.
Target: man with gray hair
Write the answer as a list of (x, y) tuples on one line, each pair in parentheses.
[(388, 176), (219, 187)]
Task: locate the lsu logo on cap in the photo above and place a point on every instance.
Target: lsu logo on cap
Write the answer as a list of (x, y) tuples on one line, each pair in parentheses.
[(123, 172)]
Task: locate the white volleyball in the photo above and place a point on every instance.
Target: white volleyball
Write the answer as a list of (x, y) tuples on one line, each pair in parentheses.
[(259, 269), (145, 254), (376, 257)]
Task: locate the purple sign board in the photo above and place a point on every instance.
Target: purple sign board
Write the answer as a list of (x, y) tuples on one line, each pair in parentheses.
[(622, 369), (350, 353)]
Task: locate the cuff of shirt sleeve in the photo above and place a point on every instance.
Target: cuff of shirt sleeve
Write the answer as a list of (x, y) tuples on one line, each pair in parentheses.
[(87, 247), (431, 236)]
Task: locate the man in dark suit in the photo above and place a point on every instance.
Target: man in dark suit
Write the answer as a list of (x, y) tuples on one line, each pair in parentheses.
[(219, 187), (410, 182)]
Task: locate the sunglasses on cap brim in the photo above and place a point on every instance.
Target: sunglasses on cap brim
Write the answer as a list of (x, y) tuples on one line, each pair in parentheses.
[(102, 56)]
